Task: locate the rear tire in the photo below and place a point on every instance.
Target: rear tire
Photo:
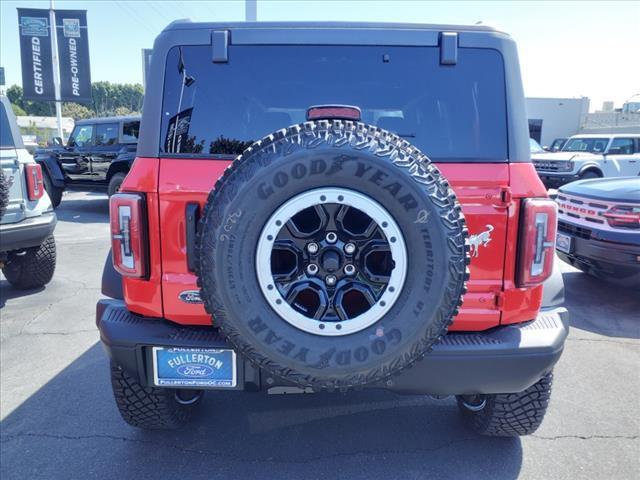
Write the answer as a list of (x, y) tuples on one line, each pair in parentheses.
[(589, 175), (151, 408), (34, 268), (507, 414), (115, 182), (55, 193)]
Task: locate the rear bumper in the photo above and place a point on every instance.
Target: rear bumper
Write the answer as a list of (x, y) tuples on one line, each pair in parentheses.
[(555, 180), (505, 359), (30, 232), (616, 260)]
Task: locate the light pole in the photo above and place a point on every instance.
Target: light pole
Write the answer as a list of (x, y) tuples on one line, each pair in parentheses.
[(251, 10), (56, 68)]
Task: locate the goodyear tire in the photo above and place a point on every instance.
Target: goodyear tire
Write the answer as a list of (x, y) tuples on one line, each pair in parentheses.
[(383, 222), (152, 408), (507, 414), (32, 268), (4, 194)]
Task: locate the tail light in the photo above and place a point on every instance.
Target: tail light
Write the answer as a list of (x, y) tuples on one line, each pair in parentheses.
[(624, 216), (128, 234), (537, 241), (35, 182)]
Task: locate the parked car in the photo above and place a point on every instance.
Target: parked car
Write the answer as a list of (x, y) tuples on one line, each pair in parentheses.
[(599, 228), (556, 145), (27, 220), (99, 154), (590, 156), (299, 216)]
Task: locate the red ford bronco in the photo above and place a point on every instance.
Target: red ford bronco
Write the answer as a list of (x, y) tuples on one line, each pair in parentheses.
[(328, 207)]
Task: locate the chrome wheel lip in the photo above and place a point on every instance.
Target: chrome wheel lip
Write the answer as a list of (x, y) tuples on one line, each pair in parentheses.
[(345, 197)]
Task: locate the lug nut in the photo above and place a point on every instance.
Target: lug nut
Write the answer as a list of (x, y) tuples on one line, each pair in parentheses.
[(331, 237), (330, 280), (312, 247), (312, 269), (349, 248), (349, 269)]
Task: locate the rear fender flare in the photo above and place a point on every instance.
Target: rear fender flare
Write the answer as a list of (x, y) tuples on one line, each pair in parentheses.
[(590, 167), (553, 287), (52, 167)]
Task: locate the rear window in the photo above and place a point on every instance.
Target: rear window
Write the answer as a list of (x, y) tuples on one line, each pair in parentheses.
[(6, 137), (106, 134), (130, 132), (452, 113)]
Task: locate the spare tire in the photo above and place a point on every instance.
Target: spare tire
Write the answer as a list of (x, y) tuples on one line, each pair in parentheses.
[(333, 254), (4, 194)]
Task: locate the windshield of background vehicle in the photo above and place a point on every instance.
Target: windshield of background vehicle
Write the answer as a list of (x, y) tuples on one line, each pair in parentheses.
[(592, 145), (450, 112), (535, 146)]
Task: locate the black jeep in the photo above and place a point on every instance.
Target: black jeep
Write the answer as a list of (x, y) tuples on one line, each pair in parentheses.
[(98, 154)]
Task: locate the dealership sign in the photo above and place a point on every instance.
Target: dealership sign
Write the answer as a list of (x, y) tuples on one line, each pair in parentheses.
[(35, 49), (37, 40), (73, 53)]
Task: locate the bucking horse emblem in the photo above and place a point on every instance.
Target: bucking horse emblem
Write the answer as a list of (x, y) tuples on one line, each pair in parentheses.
[(479, 239)]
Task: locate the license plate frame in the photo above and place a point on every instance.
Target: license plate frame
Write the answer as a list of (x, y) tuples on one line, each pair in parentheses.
[(181, 367), (564, 242)]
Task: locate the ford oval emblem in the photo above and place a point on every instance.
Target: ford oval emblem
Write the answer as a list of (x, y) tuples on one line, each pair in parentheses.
[(190, 296), (197, 370)]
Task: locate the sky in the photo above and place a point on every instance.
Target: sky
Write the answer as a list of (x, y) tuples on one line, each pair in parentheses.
[(566, 49)]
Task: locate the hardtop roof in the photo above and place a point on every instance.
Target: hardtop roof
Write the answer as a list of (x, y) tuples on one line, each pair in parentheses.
[(124, 118), (606, 135), (187, 24)]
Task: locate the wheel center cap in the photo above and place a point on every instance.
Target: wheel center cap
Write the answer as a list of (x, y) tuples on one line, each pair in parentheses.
[(331, 260)]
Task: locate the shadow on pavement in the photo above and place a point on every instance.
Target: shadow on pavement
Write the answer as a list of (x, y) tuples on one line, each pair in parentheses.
[(71, 427), (7, 292), (601, 307), (84, 210)]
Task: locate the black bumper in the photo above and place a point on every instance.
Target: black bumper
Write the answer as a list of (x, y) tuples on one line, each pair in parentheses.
[(557, 180), (615, 260), (502, 360), (30, 232)]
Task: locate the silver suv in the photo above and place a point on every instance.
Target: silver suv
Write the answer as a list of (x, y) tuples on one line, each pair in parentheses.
[(27, 220)]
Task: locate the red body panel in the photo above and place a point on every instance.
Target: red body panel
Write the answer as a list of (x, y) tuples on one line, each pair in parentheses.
[(519, 304), (182, 181), (144, 296), (488, 193)]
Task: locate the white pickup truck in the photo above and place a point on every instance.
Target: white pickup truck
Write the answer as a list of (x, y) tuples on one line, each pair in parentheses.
[(590, 156)]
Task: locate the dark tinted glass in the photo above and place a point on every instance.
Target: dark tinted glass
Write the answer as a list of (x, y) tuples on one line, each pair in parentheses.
[(106, 134), (6, 138), (449, 112), (130, 132)]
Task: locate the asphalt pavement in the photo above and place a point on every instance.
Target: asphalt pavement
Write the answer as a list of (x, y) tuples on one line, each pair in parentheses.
[(58, 418)]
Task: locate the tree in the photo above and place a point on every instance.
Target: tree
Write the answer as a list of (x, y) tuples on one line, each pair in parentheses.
[(17, 110), (76, 111), (108, 99)]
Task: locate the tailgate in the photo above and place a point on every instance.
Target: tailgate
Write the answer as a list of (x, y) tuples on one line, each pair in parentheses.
[(14, 178), (483, 191), (480, 189)]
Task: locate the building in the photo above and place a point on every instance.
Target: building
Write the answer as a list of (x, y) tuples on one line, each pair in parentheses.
[(551, 118), (44, 128)]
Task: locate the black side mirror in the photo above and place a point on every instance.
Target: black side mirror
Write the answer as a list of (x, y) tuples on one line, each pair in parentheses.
[(57, 141)]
